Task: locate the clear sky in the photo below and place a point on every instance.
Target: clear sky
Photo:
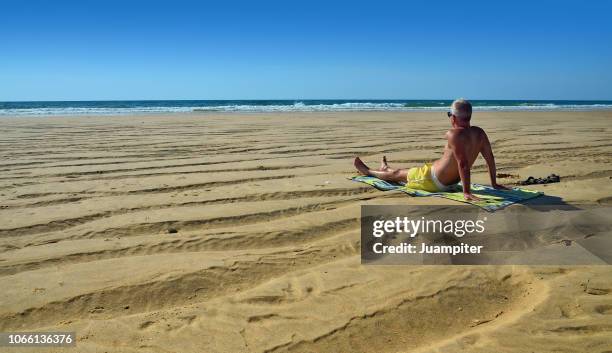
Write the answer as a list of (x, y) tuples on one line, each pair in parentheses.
[(94, 50)]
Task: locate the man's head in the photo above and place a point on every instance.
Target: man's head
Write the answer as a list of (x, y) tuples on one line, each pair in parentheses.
[(461, 112)]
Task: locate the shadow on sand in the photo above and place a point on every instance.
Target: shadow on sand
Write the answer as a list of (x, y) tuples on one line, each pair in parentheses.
[(547, 203)]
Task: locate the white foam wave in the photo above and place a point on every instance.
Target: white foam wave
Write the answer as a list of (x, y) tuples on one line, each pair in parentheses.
[(296, 107)]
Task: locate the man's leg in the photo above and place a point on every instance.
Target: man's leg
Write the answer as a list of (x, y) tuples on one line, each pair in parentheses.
[(386, 173)]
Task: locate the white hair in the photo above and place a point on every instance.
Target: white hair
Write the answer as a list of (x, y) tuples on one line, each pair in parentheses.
[(462, 109)]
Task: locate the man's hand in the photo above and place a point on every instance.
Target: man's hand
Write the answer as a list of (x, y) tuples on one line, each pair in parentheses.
[(500, 187), (471, 197)]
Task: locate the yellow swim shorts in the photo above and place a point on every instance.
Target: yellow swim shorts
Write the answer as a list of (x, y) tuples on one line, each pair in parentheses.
[(424, 178)]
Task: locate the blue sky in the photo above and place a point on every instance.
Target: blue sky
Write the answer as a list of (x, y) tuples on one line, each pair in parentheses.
[(90, 50)]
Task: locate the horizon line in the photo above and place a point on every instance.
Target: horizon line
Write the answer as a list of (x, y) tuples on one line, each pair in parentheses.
[(305, 99)]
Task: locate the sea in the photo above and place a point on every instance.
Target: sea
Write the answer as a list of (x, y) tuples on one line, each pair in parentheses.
[(115, 107)]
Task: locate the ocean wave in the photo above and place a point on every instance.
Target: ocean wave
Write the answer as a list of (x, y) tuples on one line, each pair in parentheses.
[(92, 111), (301, 107), (297, 106)]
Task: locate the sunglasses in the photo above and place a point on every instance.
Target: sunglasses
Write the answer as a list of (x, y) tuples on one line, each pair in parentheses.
[(449, 114)]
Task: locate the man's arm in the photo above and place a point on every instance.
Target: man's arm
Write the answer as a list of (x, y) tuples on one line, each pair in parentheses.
[(487, 154), (457, 146)]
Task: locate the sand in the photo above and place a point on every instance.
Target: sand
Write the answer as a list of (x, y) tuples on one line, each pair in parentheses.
[(240, 233)]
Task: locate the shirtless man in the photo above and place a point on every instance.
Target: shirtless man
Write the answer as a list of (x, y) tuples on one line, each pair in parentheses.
[(464, 144)]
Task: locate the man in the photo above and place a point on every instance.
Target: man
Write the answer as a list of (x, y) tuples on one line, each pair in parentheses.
[(464, 144)]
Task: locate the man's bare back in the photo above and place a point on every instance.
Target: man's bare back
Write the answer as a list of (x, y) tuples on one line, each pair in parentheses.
[(470, 140), (464, 144)]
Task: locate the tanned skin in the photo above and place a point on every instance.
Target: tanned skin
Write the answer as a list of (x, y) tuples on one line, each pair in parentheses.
[(464, 144)]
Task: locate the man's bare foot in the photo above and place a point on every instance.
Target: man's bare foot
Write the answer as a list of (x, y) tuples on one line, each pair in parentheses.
[(361, 167), (383, 164)]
